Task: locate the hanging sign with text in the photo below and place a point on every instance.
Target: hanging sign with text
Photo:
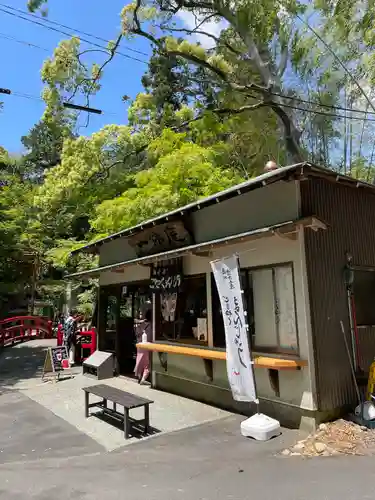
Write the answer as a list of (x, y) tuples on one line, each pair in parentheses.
[(239, 365), (166, 278)]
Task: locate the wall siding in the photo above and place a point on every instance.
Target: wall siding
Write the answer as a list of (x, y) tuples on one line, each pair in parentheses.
[(265, 206), (296, 387), (350, 216)]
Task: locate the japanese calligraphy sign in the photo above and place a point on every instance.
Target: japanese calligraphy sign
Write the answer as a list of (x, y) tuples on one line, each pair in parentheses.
[(239, 366), (161, 238), (166, 278)]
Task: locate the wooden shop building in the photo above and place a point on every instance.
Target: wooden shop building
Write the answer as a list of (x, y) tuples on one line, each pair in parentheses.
[(305, 237)]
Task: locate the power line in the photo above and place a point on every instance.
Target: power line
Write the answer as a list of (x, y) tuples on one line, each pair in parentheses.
[(336, 57), (69, 35), (36, 98), (315, 103), (23, 42), (323, 113), (327, 106), (47, 20), (312, 111)]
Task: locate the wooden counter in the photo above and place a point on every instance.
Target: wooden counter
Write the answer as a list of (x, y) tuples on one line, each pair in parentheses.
[(259, 361)]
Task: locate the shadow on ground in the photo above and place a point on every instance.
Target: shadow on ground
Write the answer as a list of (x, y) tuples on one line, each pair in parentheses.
[(29, 432), (136, 430), (22, 361)]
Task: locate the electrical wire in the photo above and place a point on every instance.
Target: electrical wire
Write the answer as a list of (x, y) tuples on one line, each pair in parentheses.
[(333, 115), (51, 28), (50, 21), (312, 111), (36, 98), (317, 103), (284, 96), (23, 42)]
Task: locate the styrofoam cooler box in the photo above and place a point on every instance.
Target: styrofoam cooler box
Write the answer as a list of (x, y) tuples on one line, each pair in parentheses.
[(260, 427)]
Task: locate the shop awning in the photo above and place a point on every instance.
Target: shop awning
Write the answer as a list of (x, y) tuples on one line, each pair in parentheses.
[(287, 229)]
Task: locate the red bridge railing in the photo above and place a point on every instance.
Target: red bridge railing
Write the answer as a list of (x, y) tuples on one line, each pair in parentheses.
[(20, 328), (85, 343)]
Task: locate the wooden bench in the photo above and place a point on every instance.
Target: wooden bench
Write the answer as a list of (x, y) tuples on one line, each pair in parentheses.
[(118, 397)]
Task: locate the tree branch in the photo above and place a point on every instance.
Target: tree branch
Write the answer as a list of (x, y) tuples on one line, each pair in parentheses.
[(283, 60), (105, 172), (112, 53), (219, 111), (271, 80), (205, 33)]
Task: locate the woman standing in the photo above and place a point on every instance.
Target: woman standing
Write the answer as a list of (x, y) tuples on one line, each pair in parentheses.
[(142, 365), (69, 334)]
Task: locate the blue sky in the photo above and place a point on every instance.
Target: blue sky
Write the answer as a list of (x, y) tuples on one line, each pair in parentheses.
[(21, 64)]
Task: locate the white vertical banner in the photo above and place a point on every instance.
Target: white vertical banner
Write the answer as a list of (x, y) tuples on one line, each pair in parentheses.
[(239, 364)]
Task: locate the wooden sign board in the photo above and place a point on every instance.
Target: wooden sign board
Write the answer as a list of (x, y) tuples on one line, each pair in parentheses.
[(168, 236), (53, 363)]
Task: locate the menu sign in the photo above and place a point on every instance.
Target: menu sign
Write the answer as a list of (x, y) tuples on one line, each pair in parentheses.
[(54, 361), (59, 354), (239, 365), (166, 278)]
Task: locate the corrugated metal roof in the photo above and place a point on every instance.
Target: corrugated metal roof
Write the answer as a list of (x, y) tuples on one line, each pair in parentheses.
[(299, 169), (284, 228)]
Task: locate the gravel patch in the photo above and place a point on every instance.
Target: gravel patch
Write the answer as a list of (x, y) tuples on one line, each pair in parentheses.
[(341, 437)]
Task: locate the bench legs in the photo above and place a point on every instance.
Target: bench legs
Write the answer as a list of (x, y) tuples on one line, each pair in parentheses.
[(87, 404), (126, 423), (147, 418), (126, 414)]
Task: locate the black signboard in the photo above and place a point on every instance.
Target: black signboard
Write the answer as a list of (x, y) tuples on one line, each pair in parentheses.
[(166, 278), (59, 353), (53, 363)]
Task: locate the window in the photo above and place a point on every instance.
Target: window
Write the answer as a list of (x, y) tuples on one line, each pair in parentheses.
[(109, 307), (217, 319), (364, 293), (271, 313), (119, 305), (183, 315)]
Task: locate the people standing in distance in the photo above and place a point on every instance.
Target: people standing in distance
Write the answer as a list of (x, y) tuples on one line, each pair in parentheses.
[(143, 331), (70, 332)]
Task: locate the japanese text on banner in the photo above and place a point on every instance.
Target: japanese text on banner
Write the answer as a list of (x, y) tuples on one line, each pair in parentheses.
[(239, 365)]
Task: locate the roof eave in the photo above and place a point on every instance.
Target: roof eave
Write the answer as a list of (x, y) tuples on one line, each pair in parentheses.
[(245, 187)]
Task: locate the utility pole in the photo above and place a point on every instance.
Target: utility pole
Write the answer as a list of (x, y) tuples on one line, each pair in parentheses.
[(69, 105)]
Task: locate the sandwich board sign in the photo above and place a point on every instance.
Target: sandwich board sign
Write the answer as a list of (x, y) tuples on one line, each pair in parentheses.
[(56, 358)]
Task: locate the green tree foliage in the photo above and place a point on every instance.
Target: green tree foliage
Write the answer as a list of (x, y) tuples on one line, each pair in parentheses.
[(183, 173), (44, 146), (15, 256), (215, 108)]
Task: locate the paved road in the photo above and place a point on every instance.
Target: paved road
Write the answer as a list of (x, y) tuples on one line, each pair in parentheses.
[(30, 432), (210, 462)]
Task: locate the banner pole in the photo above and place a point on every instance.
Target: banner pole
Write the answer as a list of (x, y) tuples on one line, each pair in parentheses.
[(240, 369), (244, 305)]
